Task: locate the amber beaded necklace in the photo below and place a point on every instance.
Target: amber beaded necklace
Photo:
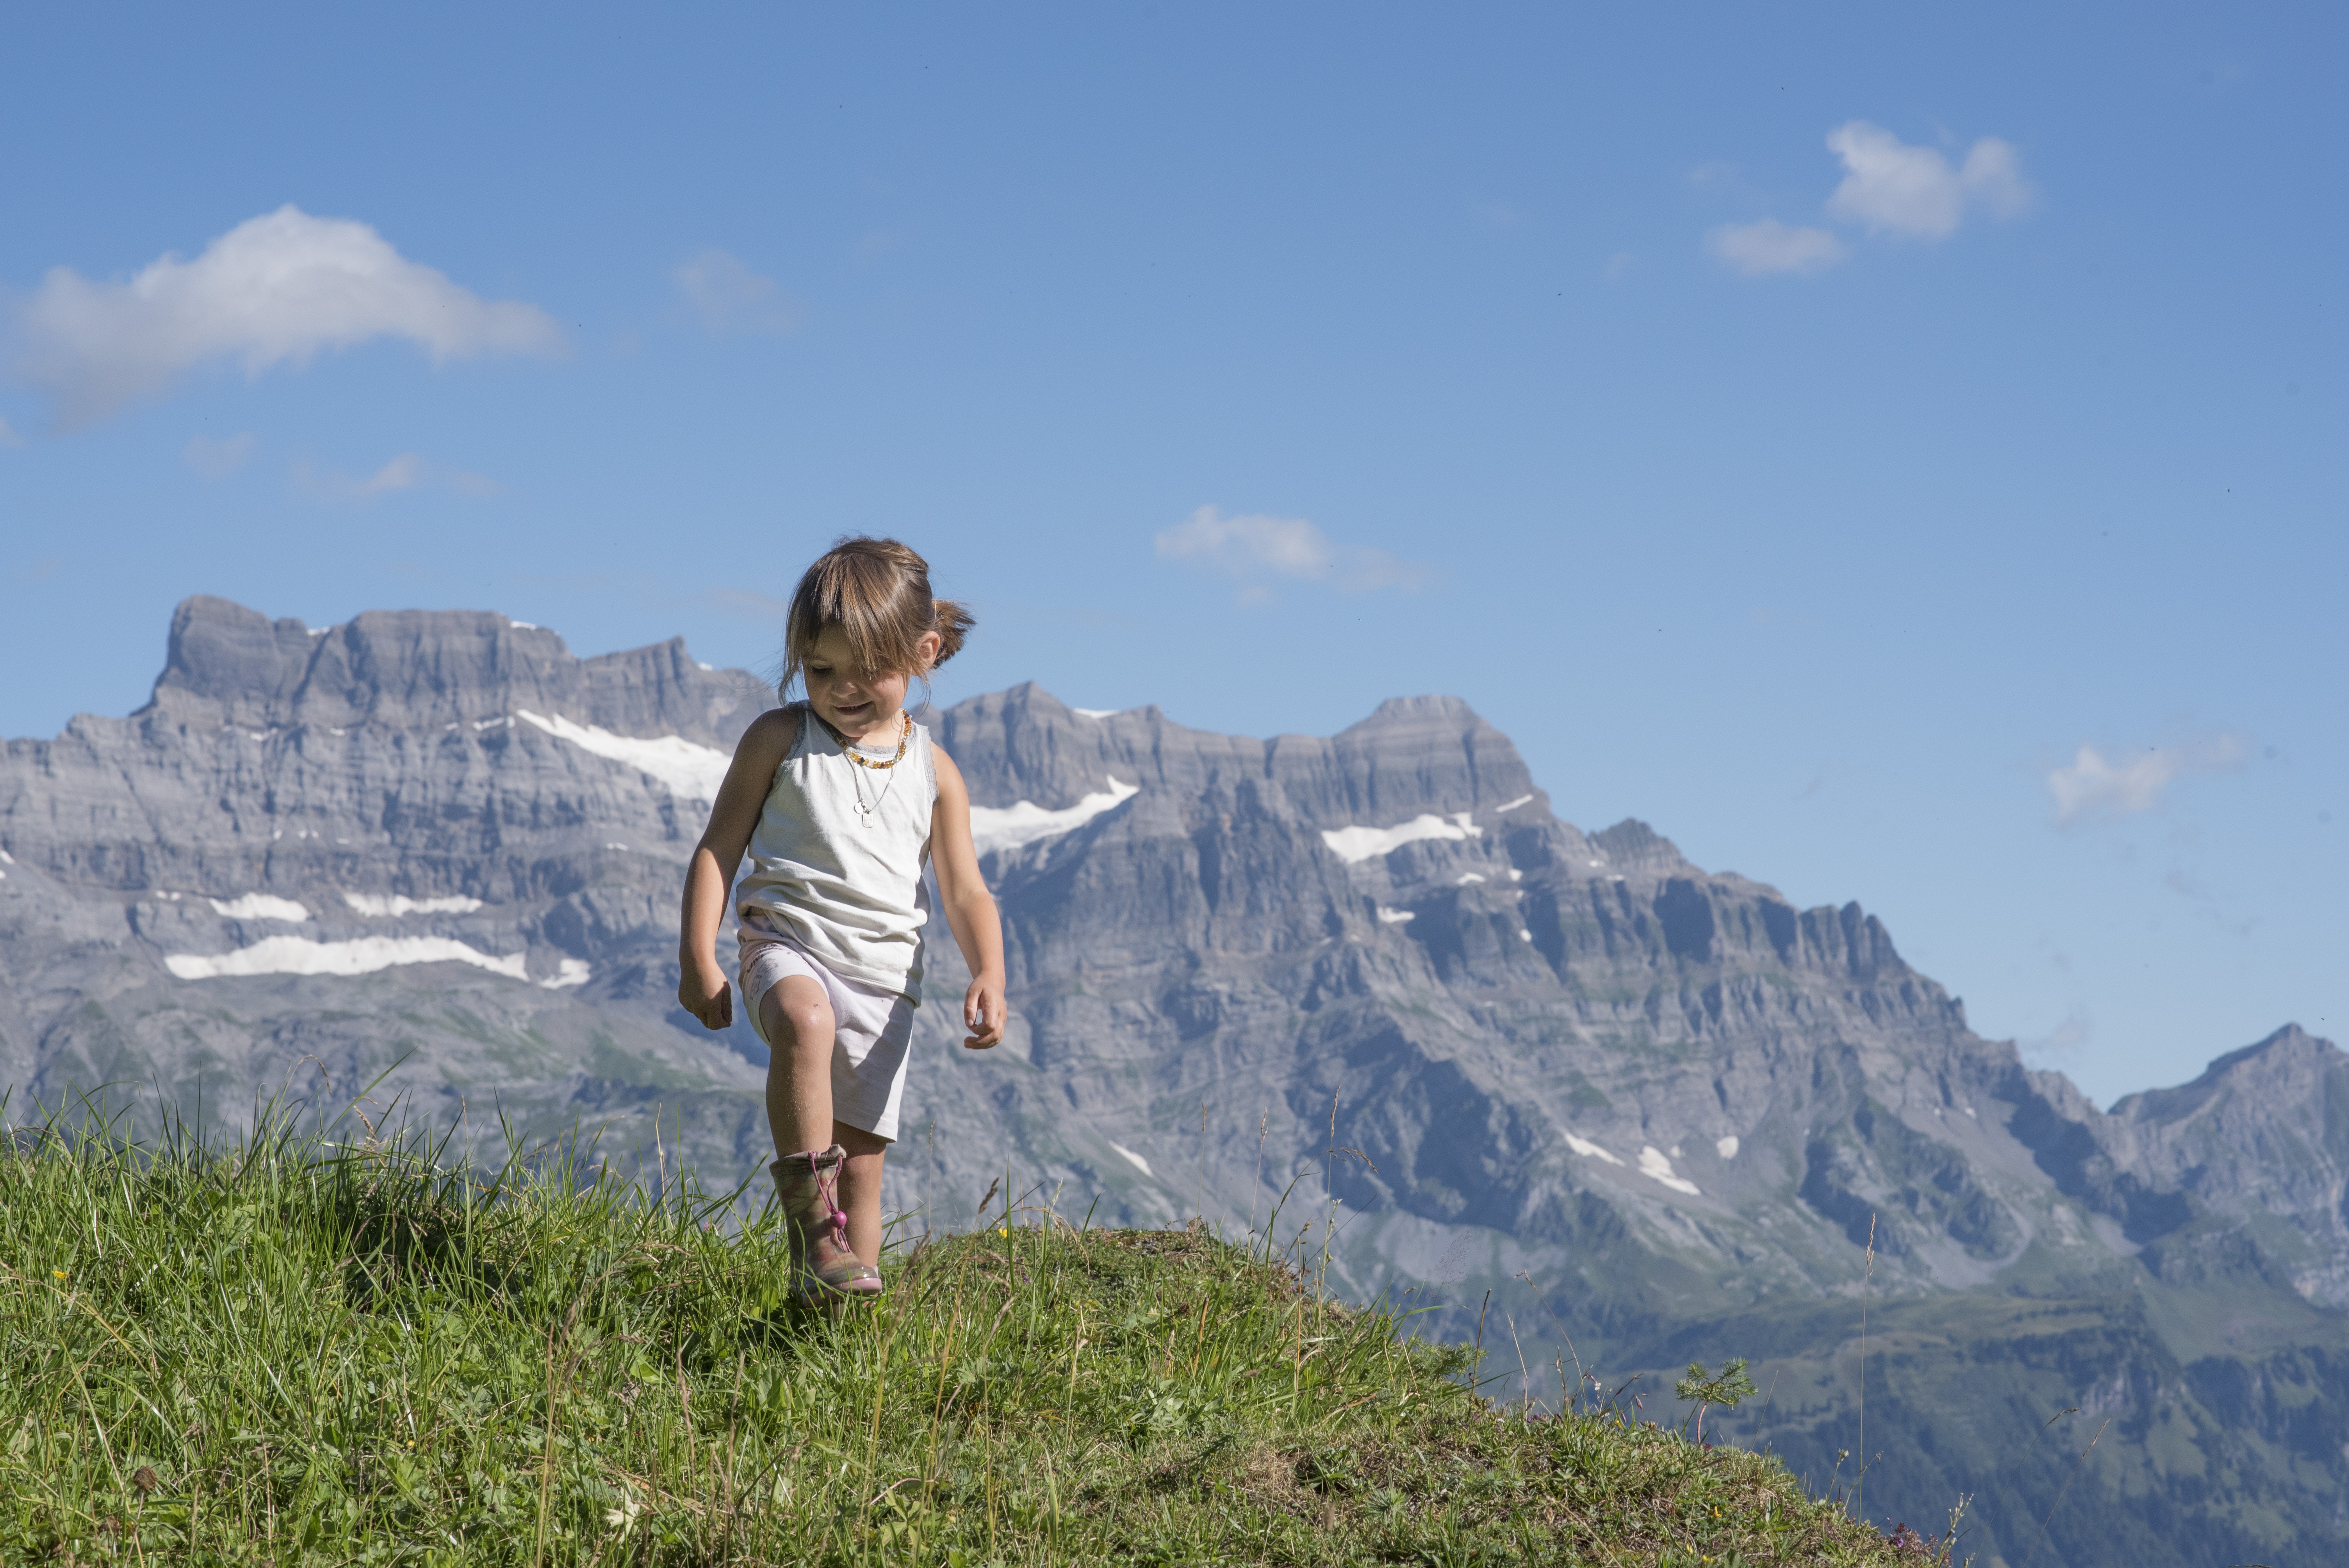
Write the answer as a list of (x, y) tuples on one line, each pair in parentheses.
[(905, 738)]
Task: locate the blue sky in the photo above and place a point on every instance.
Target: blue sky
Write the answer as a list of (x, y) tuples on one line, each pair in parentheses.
[(1896, 454)]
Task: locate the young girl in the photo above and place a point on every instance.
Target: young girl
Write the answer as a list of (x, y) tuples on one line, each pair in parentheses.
[(840, 800)]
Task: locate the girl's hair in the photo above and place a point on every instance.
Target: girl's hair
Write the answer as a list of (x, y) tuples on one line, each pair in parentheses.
[(877, 592)]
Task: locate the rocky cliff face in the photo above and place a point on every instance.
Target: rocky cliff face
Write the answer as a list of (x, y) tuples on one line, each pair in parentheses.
[(1553, 1044), (1368, 981), (2241, 1172), (435, 845)]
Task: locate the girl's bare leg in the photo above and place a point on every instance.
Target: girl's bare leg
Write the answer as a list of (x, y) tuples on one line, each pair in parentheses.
[(799, 1025), (799, 1021), (860, 1188)]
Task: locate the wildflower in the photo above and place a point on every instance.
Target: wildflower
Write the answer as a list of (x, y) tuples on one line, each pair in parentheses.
[(624, 1518), (59, 1273)]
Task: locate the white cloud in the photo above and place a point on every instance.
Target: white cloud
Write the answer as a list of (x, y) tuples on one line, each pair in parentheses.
[(1499, 216), (407, 472), (1251, 548), (2077, 1029), (748, 602), (273, 290), (1289, 545), (2091, 785), (1993, 178), (402, 473), (1769, 247), (1890, 187), (730, 298), (8, 437), (218, 460)]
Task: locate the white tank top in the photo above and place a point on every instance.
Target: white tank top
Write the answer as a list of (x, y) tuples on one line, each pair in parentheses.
[(837, 861)]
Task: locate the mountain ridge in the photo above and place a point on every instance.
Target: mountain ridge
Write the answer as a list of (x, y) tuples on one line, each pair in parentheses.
[(1372, 973), (414, 667)]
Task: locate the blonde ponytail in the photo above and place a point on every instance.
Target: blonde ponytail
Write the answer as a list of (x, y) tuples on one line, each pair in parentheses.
[(952, 622)]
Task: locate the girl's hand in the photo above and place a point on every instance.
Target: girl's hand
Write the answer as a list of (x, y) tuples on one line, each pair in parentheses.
[(983, 1013), (701, 988), (703, 992), (969, 911)]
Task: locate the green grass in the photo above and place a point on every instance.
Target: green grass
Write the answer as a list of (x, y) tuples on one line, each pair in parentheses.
[(297, 1352)]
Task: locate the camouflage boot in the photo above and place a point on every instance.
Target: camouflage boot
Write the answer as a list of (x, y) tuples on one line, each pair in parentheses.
[(823, 1268)]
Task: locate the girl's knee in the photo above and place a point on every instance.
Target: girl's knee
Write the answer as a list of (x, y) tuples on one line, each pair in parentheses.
[(798, 1024)]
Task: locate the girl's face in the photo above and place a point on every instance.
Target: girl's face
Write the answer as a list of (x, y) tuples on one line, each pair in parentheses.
[(856, 702)]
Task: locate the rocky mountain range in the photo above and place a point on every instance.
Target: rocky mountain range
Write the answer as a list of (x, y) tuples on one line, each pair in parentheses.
[(1566, 1090)]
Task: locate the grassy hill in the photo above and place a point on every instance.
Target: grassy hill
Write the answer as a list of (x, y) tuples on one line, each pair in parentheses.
[(296, 1351)]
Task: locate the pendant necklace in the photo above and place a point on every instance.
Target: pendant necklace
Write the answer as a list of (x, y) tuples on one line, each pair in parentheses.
[(865, 811)]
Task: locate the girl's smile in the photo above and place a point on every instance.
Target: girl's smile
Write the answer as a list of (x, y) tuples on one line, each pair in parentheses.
[(853, 701)]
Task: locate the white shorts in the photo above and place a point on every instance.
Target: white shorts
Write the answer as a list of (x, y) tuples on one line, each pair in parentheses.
[(872, 1029)]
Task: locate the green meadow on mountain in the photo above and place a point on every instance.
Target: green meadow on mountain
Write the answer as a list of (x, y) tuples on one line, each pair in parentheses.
[(1562, 1091), (285, 1352)]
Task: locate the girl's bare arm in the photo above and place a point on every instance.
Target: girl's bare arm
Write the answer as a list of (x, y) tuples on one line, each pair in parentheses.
[(969, 907), (700, 984)]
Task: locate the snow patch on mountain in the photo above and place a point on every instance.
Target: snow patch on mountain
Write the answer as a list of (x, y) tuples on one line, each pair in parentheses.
[(1352, 844), (1588, 1149), (688, 771), (260, 906), (996, 828), (1655, 1164), (365, 955), (392, 904)]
